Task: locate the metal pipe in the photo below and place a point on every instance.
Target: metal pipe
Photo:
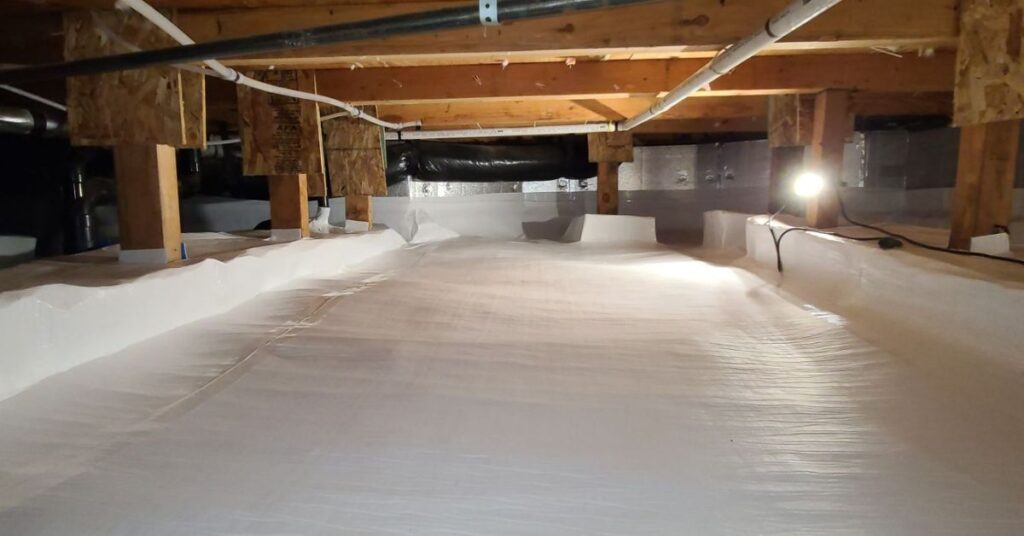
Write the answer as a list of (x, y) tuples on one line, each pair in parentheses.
[(28, 122), (794, 16), (443, 19)]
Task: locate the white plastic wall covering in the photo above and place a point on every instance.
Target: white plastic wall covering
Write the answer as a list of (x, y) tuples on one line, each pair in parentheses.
[(795, 15), (548, 130), (227, 73)]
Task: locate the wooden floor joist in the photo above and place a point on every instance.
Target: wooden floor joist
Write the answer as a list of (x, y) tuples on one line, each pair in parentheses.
[(666, 27), (765, 75)]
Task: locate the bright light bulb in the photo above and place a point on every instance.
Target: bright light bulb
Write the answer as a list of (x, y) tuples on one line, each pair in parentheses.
[(808, 185)]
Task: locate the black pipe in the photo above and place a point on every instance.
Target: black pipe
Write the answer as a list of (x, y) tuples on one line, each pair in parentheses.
[(442, 19)]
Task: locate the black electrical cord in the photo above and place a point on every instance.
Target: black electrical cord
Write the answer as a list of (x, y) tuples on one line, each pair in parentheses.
[(412, 23), (922, 245), (777, 239)]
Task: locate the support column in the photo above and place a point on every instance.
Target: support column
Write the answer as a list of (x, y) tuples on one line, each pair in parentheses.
[(988, 108), (608, 150), (359, 207), (608, 188), (289, 206), (983, 198), (790, 125), (832, 125), (147, 203), (786, 163)]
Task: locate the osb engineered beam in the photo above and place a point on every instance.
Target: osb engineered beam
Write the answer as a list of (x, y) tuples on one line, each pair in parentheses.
[(990, 70), (158, 105), (768, 75), (281, 135), (666, 26), (354, 157)]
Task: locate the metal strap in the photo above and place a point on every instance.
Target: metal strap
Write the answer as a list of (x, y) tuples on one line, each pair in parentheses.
[(489, 12)]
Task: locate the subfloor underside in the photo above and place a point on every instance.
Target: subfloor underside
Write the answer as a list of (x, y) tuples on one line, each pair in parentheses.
[(473, 387)]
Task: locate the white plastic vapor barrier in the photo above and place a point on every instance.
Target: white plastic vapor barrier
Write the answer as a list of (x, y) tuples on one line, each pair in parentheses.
[(48, 326), (478, 387)]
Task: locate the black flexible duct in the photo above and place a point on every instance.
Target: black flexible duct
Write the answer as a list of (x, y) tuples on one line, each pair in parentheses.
[(413, 23), (460, 162)]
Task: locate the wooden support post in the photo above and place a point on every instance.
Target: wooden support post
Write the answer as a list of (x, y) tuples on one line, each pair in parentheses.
[(832, 125), (359, 207), (786, 164), (289, 206), (608, 150), (983, 198), (147, 203), (790, 130), (608, 188)]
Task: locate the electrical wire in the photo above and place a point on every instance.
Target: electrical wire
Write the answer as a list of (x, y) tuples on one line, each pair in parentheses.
[(777, 239), (922, 245)]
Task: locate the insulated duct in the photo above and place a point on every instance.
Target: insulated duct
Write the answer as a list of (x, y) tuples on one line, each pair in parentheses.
[(456, 162), (29, 122)]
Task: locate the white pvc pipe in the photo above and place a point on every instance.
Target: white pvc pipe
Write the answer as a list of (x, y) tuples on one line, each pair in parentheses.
[(227, 73), (794, 16), (33, 96), (450, 134)]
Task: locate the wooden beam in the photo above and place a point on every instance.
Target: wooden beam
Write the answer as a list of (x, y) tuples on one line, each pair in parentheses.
[(672, 25), (281, 135), (990, 70), (766, 75), (147, 203), (158, 106), (289, 206), (790, 120), (610, 147), (832, 125), (983, 197)]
